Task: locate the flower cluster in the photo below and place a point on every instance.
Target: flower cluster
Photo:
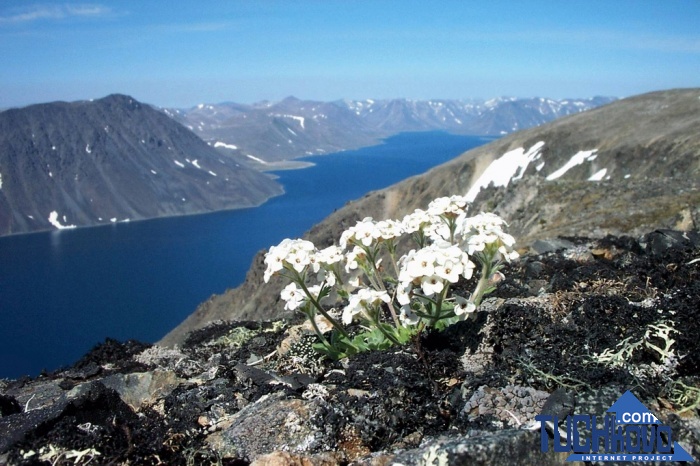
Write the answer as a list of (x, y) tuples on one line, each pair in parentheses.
[(394, 298)]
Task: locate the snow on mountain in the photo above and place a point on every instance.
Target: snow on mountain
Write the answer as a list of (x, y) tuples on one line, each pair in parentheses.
[(265, 128)]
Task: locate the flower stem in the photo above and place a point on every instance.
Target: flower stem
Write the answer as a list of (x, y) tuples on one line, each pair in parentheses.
[(380, 282), (312, 318), (323, 312), (483, 281)]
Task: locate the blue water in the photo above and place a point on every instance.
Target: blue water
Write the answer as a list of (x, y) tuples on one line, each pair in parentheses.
[(62, 292)]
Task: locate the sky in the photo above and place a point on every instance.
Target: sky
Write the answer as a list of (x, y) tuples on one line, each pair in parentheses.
[(182, 53)]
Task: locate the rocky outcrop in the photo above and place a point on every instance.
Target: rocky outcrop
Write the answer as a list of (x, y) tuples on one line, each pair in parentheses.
[(545, 182), (255, 393)]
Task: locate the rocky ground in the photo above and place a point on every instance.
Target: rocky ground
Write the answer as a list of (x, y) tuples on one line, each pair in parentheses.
[(585, 319)]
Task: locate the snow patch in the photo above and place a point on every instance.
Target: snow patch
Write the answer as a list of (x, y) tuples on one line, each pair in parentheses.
[(510, 166), (194, 162), (0, 180), (53, 220), (87, 149), (576, 159), (256, 159), (290, 130), (154, 172), (599, 175), (211, 173), (225, 146), (300, 119), (179, 164)]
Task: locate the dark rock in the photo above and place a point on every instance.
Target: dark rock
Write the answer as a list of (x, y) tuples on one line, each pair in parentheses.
[(112, 354), (91, 402), (660, 242), (8, 405), (560, 403)]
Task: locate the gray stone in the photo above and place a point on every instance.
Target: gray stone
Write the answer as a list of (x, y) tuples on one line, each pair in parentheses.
[(270, 424), (143, 388), (541, 246), (505, 447)]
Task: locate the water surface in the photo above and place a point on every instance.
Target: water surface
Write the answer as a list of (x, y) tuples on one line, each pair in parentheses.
[(62, 292)]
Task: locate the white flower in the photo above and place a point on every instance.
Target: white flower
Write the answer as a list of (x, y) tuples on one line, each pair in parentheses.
[(415, 221), (453, 205), (463, 306), (486, 229), (364, 232), (389, 229), (421, 263), (293, 295), (297, 253), (352, 258), (330, 255), (449, 271), (431, 285), (403, 295), (363, 300)]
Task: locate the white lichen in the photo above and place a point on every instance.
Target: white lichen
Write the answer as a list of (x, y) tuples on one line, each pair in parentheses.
[(624, 350)]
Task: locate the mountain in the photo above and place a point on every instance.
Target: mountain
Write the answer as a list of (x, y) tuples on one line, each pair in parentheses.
[(265, 133), (113, 159), (624, 168)]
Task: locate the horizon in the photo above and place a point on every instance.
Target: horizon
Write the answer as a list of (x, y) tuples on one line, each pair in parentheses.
[(250, 52), (273, 102)]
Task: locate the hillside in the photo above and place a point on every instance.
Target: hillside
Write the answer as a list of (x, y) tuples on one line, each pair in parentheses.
[(111, 160), (266, 133), (648, 145)]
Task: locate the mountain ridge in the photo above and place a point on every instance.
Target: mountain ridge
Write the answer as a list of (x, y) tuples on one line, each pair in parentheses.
[(268, 132), (648, 144), (88, 163)]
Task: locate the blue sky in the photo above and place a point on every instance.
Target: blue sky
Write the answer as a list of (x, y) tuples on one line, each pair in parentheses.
[(181, 53)]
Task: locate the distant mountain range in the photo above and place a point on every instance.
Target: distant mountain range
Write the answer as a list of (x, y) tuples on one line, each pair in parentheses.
[(116, 159), (112, 160), (626, 168), (268, 132)]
